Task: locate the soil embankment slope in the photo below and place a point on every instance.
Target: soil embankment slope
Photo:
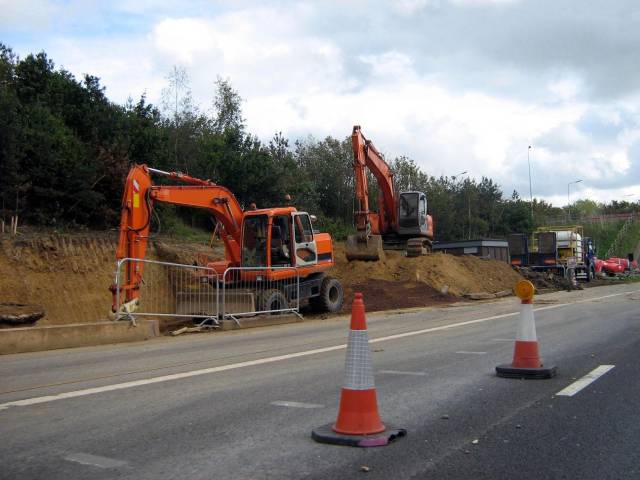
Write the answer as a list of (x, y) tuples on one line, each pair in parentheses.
[(69, 275)]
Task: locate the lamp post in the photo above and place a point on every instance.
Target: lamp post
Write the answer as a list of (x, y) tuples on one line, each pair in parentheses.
[(569, 198), (530, 189)]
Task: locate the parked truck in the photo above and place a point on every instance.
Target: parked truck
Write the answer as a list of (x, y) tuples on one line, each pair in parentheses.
[(562, 249)]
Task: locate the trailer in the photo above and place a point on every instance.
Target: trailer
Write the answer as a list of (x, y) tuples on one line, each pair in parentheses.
[(563, 250)]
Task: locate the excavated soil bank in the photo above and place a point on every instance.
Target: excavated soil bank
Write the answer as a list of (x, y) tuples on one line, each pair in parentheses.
[(69, 275)]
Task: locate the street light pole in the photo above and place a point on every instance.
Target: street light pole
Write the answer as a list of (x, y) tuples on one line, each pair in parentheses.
[(569, 199), (530, 189)]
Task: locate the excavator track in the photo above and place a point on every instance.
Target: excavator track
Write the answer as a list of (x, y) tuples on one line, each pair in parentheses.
[(418, 246)]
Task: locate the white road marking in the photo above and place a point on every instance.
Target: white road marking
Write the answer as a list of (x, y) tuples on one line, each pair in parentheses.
[(585, 381), (279, 358), (94, 460), (464, 352), (284, 403), (398, 372)]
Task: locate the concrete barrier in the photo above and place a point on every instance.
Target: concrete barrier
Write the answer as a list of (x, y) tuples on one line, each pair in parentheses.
[(35, 339), (258, 321)]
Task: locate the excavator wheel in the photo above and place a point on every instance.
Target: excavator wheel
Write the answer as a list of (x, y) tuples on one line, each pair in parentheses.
[(272, 301), (330, 298)]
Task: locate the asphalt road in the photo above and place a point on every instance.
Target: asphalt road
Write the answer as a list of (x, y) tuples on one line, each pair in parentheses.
[(242, 404)]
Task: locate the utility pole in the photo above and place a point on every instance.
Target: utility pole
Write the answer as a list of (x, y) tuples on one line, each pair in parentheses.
[(569, 199)]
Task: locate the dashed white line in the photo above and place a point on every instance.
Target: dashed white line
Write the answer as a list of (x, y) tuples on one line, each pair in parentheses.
[(285, 403), (279, 358), (585, 381), (398, 372), (464, 352), (94, 460)]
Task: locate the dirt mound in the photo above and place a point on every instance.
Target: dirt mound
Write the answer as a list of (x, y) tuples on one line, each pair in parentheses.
[(544, 281), (450, 274), (188, 254), (385, 295)]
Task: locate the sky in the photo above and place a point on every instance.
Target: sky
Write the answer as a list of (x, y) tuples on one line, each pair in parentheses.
[(456, 85)]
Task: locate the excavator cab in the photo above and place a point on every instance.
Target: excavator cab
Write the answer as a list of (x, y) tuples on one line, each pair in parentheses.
[(412, 214), (278, 239)]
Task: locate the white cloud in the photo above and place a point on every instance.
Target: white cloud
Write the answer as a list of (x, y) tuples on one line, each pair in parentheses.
[(307, 69), (26, 14), (184, 38)]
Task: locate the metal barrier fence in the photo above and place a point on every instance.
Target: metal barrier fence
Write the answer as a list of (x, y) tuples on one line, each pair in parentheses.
[(248, 291), (172, 290), (190, 291)]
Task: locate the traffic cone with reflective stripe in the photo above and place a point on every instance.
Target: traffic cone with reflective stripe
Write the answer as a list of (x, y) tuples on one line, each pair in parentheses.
[(526, 356), (358, 423)]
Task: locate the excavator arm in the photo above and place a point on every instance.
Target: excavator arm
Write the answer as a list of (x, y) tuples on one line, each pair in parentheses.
[(367, 243), (137, 206), (365, 156)]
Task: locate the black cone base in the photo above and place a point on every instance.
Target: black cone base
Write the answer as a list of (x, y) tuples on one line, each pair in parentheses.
[(325, 434), (507, 371)]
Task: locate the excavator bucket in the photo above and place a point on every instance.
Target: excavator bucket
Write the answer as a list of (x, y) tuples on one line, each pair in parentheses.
[(364, 249)]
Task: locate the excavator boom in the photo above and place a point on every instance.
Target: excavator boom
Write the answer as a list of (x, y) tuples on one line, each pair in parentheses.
[(137, 206), (367, 243)]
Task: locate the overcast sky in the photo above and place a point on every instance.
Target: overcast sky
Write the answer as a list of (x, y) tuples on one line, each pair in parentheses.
[(453, 84)]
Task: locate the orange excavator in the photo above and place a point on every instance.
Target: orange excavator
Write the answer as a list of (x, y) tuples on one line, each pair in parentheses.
[(256, 238), (401, 222)]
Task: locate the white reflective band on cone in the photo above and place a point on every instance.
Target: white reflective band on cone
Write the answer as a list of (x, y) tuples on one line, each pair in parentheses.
[(526, 325), (358, 371)]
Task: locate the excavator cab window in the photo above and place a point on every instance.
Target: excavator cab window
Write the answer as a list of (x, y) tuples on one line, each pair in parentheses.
[(254, 241), (423, 210), (304, 243), (409, 209), (280, 241)]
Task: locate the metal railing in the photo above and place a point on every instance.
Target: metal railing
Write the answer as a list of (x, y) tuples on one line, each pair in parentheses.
[(199, 293), (171, 290), (248, 291)]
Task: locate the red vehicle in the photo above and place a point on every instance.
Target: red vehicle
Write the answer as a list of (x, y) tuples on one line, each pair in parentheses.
[(615, 265)]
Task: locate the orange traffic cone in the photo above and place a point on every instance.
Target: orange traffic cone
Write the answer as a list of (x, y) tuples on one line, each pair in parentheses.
[(358, 423), (526, 356)]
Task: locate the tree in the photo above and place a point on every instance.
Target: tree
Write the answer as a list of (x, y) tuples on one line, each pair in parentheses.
[(227, 105)]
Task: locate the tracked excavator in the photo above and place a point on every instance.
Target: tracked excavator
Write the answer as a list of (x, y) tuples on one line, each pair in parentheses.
[(401, 222), (256, 238)]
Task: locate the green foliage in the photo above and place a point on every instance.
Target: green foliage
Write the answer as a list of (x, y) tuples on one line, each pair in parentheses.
[(630, 240), (339, 229), (173, 225), (603, 234)]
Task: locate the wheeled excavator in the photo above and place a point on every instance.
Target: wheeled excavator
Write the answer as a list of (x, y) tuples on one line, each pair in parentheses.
[(256, 238), (401, 222)]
